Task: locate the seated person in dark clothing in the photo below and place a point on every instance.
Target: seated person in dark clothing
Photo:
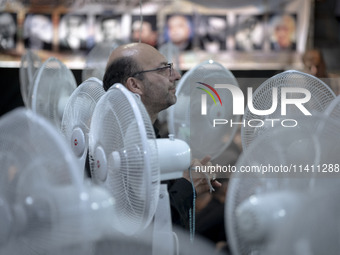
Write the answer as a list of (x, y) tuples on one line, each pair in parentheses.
[(145, 71), (315, 64), (210, 220)]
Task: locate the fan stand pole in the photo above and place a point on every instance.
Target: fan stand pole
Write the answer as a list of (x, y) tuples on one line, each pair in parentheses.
[(162, 241)]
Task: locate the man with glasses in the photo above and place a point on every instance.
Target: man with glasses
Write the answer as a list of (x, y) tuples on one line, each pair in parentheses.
[(145, 71)]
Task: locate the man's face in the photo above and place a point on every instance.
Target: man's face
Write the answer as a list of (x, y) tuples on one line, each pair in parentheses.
[(159, 86), (159, 91)]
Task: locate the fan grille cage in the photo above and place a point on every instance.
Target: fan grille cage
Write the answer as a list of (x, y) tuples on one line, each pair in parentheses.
[(333, 110), (79, 108), (185, 119), (314, 142), (53, 85), (30, 63), (321, 96), (36, 167), (29, 140), (134, 184)]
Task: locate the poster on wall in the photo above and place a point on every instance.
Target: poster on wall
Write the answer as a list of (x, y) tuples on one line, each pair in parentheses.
[(73, 33), (144, 30), (108, 28), (249, 33), (38, 31), (256, 36), (245, 37), (282, 29), (179, 29), (8, 31), (211, 32)]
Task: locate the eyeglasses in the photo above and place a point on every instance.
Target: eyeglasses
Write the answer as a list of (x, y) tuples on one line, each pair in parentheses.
[(168, 66)]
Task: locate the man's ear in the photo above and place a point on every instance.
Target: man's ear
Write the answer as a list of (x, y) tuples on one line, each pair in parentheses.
[(134, 85)]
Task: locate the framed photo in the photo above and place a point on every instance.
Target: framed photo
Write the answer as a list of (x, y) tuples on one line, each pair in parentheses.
[(38, 31), (249, 32), (282, 29), (73, 32), (211, 32), (179, 29), (108, 28), (145, 31), (8, 31)]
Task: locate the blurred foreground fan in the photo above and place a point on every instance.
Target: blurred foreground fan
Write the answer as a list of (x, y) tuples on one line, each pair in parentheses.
[(307, 232), (45, 206), (143, 245), (274, 175), (333, 110)]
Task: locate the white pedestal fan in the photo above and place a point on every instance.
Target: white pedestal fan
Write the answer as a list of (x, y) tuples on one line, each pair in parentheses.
[(126, 157), (185, 118), (274, 176), (29, 64), (76, 121), (45, 206), (263, 98), (53, 84)]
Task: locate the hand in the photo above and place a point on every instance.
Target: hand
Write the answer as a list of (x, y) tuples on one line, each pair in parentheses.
[(201, 179)]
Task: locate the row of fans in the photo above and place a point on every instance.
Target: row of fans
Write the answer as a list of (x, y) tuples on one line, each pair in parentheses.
[(284, 172), (287, 176), (125, 161), (125, 157)]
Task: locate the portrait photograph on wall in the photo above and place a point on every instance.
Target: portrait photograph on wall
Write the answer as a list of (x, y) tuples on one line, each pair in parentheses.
[(73, 33), (211, 32), (282, 29), (38, 31), (8, 31), (108, 28), (249, 32), (234, 37), (179, 29), (144, 31)]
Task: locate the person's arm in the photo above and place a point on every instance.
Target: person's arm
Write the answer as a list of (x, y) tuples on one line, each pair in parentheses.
[(181, 192), (202, 180)]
